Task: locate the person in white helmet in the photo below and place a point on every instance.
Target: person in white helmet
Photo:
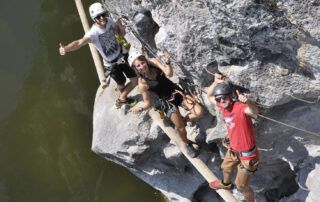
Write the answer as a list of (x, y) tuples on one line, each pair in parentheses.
[(153, 79), (102, 35)]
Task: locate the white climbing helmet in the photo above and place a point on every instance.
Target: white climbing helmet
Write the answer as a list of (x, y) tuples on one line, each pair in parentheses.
[(96, 9), (134, 53)]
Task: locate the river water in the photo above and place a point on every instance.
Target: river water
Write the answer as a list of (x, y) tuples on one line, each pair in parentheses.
[(46, 112)]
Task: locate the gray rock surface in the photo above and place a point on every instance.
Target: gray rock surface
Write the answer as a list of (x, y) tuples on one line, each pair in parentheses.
[(271, 49)]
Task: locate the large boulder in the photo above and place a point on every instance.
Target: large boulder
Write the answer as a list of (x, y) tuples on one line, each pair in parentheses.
[(268, 49)]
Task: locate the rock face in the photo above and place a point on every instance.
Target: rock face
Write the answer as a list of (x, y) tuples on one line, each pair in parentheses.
[(271, 49)]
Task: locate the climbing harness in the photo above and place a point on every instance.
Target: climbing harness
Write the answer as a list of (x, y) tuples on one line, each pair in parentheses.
[(166, 107), (244, 153), (252, 163)]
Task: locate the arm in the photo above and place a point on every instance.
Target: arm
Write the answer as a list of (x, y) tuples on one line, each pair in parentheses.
[(120, 28), (143, 88), (75, 45), (218, 78), (166, 68), (251, 109)]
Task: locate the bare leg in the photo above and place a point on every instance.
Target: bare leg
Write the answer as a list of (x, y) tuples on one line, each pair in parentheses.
[(195, 110), (120, 88), (177, 119), (242, 182), (248, 194), (125, 90)]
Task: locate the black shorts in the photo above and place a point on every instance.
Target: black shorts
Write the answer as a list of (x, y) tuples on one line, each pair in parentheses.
[(118, 72)]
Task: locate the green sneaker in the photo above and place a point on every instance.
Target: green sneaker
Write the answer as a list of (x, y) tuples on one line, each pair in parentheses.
[(129, 102)]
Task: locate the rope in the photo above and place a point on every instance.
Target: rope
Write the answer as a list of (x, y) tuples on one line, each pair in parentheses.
[(290, 126), (306, 101), (285, 124), (129, 24)]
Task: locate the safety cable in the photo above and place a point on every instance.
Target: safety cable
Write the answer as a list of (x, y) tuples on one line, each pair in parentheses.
[(290, 94), (285, 124), (290, 126), (129, 24), (303, 100)]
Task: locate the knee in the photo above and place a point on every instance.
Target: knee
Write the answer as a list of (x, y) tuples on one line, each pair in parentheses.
[(120, 88), (199, 110), (196, 113), (182, 130), (243, 188), (226, 169)]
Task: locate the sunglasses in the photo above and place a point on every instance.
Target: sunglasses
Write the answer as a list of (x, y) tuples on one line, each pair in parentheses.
[(221, 97), (101, 15)]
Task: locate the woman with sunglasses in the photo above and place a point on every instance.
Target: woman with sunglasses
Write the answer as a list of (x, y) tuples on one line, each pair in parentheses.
[(242, 151), (153, 79), (102, 35)]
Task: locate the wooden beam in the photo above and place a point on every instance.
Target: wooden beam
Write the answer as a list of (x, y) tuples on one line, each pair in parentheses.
[(196, 162), (93, 50)]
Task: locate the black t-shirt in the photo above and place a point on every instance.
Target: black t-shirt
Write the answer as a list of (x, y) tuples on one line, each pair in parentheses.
[(161, 86)]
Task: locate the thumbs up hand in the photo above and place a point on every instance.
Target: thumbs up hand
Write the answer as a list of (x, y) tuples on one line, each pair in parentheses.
[(241, 97), (62, 49)]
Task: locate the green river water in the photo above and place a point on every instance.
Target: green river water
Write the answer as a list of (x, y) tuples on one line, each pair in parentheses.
[(46, 112)]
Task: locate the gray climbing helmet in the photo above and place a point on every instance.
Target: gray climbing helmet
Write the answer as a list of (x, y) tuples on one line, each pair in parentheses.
[(222, 89)]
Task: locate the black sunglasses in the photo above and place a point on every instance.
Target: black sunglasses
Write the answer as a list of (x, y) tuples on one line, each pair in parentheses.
[(101, 15), (221, 97)]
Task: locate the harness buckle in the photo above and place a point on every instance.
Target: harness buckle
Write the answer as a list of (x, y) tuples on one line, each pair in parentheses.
[(245, 153)]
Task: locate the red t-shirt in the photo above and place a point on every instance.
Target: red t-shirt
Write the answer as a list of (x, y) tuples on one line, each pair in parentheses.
[(240, 128)]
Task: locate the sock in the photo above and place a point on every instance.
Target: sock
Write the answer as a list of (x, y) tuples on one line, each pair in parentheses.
[(225, 184)]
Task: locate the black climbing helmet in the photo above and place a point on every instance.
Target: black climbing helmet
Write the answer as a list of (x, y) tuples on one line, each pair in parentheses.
[(222, 89)]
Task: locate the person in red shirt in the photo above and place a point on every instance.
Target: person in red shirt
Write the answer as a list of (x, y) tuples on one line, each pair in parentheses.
[(242, 151)]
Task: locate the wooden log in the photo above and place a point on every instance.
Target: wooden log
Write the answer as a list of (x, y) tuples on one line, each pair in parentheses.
[(196, 162), (93, 50)]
